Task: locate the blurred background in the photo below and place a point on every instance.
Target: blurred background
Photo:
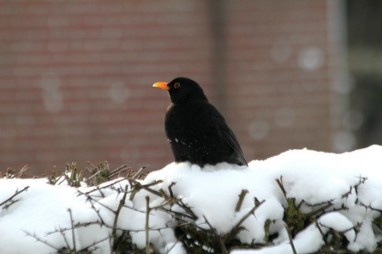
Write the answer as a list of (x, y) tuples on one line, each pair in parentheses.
[(76, 76)]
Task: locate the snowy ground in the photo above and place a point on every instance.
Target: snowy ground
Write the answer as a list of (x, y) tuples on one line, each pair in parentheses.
[(36, 217)]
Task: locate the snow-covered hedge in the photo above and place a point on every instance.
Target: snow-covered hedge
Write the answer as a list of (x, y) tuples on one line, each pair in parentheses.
[(300, 201)]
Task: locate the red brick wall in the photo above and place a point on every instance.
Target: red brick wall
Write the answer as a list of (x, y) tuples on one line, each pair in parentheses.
[(278, 64), (75, 76)]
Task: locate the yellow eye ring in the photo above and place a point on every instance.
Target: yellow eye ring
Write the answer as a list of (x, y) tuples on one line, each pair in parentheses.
[(176, 85)]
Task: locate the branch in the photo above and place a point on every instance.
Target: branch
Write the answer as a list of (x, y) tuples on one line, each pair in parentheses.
[(103, 187), (117, 212), (362, 180), (147, 225), (39, 239), (138, 174), (137, 186), (11, 197), (281, 185), (290, 239), (241, 199), (72, 224), (369, 207), (320, 230), (236, 228), (218, 238)]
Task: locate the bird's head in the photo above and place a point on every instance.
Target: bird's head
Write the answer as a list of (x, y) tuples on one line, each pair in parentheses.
[(182, 90)]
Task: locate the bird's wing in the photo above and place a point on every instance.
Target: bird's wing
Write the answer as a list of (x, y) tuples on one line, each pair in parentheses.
[(227, 134), (233, 142)]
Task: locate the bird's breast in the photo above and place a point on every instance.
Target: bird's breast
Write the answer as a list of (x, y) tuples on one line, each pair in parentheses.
[(183, 125)]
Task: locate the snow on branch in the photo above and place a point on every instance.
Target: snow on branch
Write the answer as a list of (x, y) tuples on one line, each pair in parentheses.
[(300, 201)]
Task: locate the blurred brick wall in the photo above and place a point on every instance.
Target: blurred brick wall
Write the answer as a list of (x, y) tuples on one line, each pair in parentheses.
[(281, 70), (76, 76)]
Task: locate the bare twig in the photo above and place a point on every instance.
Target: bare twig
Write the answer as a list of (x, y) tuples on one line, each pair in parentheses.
[(320, 210), (178, 215), (217, 237), (281, 185), (10, 199), (369, 207), (362, 180), (62, 233), (103, 187), (347, 194), (355, 228), (103, 168), (116, 217), (11, 173), (137, 186), (242, 195), (39, 239), (138, 174), (72, 224), (320, 230), (237, 228), (77, 225), (97, 211), (290, 239), (147, 225), (170, 189)]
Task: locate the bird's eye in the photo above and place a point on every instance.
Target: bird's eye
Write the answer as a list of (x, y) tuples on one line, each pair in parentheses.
[(176, 85)]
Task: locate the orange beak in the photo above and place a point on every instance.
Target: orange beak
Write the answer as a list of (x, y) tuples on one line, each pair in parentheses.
[(161, 85)]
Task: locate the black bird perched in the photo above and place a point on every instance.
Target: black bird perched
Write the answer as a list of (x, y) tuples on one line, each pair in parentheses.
[(196, 130)]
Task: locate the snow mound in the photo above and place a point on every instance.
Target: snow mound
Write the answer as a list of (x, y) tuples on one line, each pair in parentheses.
[(300, 199)]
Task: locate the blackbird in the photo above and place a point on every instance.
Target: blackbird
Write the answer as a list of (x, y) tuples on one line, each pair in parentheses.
[(196, 130)]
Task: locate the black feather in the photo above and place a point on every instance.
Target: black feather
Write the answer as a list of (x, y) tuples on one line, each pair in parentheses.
[(196, 130)]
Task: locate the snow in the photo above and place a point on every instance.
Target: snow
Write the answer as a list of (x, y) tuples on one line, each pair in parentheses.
[(38, 216)]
